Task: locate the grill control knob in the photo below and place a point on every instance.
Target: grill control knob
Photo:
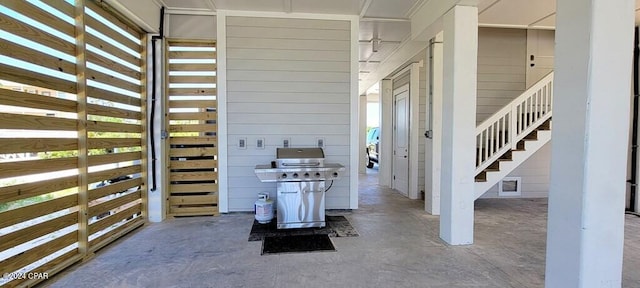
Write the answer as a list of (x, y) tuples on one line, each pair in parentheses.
[(284, 176), (295, 175), (306, 175), (335, 174), (318, 174)]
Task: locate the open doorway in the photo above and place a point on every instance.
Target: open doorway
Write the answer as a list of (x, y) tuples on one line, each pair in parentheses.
[(372, 141)]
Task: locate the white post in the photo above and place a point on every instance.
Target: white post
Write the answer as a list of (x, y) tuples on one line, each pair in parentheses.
[(362, 167), (221, 72), (414, 131), (459, 124), (585, 235), (432, 197), (156, 200), (386, 130)]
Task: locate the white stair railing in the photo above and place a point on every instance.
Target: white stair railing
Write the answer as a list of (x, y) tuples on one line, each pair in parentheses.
[(502, 131)]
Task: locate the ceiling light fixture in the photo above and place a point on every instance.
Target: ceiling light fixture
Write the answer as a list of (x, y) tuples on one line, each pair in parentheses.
[(375, 44)]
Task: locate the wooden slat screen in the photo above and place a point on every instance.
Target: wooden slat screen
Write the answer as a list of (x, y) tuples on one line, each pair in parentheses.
[(116, 112), (192, 116), (72, 134)]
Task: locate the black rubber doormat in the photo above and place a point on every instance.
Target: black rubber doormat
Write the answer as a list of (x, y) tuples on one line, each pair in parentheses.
[(337, 226), (297, 244)]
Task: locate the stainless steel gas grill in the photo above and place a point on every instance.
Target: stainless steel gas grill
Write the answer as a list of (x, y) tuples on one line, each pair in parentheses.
[(301, 175)]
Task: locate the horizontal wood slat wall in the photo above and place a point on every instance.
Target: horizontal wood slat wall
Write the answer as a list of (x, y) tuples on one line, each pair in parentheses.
[(72, 134), (192, 122)]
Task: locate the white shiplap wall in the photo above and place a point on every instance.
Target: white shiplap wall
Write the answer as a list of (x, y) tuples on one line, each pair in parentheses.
[(286, 78), (501, 68), (191, 26)]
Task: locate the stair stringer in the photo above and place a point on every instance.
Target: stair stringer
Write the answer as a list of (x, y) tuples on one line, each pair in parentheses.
[(518, 157)]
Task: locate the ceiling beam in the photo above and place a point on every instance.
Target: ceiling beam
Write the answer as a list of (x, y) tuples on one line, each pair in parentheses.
[(189, 11), (384, 19), (412, 11), (515, 26), (405, 51), (542, 19), (144, 13), (212, 4), (381, 41), (287, 6), (365, 7), (430, 13), (489, 7)]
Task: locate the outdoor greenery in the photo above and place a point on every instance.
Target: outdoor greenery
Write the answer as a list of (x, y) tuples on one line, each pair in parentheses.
[(4, 206), (25, 202)]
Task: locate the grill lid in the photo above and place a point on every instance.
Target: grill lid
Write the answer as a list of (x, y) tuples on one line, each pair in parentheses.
[(299, 153)]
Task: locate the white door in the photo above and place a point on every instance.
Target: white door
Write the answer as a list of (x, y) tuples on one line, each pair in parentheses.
[(540, 55), (400, 178)]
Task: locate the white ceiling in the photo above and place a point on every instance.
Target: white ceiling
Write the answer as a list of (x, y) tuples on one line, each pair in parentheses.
[(387, 22)]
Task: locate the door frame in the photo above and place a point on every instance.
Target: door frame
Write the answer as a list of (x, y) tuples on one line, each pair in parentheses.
[(386, 140)]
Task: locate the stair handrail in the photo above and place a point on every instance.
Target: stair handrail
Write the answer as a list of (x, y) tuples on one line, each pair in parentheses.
[(504, 129)]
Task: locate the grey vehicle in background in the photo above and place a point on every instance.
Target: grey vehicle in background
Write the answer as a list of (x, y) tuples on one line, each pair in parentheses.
[(373, 146)]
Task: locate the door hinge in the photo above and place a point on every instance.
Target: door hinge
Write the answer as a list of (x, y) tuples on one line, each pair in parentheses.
[(164, 134)]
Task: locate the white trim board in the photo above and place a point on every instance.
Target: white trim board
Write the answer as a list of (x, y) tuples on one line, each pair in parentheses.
[(355, 140), (221, 72), (238, 13)]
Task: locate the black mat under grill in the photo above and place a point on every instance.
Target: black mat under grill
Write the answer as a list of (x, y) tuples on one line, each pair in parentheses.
[(337, 226), (296, 244)]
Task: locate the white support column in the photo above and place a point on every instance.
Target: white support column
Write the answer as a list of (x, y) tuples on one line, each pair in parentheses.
[(594, 44), (362, 167), (459, 124), (221, 74), (386, 131), (156, 199), (414, 131), (432, 197)]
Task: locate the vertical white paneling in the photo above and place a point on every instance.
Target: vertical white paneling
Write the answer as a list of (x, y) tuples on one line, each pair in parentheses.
[(271, 100), (501, 68)]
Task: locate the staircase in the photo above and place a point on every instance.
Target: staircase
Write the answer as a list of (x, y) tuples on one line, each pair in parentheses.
[(510, 136)]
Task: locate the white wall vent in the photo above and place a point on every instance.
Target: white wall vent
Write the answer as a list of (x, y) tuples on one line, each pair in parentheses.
[(510, 187)]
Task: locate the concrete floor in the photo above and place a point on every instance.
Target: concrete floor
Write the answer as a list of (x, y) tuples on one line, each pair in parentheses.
[(398, 246)]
